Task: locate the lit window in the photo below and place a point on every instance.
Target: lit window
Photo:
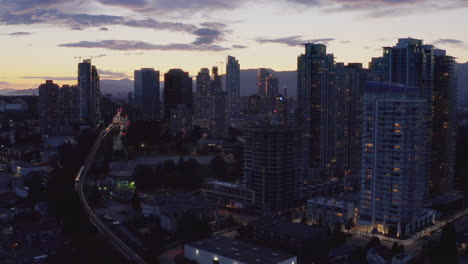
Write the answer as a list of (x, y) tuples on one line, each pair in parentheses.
[(396, 169)]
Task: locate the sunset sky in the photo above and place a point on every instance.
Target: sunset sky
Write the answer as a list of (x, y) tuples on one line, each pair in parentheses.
[(43, 39)]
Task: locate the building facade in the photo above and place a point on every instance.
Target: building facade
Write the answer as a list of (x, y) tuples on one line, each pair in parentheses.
[(316, 112), (233, 86), (396, 158), (89, 87), (272, 165), (49, 107), (178, 101), (146, 92)]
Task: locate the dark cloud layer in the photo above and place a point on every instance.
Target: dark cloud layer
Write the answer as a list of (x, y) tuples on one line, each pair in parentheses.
[(141, 45), (49, 78), (293, 40), (20, 34), (449, 41)]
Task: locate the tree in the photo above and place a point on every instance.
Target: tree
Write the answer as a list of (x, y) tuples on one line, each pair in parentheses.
[(374, 242), (192, 227), (338, 237), (219, 167)]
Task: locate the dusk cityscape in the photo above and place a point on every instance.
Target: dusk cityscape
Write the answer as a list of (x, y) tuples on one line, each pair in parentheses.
[(234, 132)]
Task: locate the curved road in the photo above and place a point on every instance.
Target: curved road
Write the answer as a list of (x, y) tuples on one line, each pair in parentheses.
[(80, 179)]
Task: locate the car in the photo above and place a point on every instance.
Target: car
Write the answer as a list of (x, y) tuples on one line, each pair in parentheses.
[(115, 222)]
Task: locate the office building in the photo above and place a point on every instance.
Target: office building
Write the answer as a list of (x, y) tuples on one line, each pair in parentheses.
[(262, 74), (146, 91), (203, 95), (396, 158), (316, 112), (233, 86), (444, 122), (49, 107), (89, 87), (272, 165), (178, 101)]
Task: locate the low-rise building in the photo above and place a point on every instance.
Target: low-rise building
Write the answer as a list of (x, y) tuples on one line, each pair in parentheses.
[(285, 234), (331, 211), (222, 250), (170, 208), (230, 194)]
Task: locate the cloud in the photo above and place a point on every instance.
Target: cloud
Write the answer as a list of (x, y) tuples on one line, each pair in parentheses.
[(207, 36), (103, 29), (49, 78), (345, 41), (141, 45), (239, 47), (382, 8), (80, 21), (294, 40), (449, 41), (133, 53), (20, 34), (99, 56)]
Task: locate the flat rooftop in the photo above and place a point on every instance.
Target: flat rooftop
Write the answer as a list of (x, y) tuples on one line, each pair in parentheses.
[(240, 251)]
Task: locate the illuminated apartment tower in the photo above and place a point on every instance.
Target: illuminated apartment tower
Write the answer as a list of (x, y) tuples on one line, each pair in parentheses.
[(272, 165), (444, 122), (316, 111), (49, 108), (233, 86), (350, 83), (410, 63), (396, 158), (146, 90), (88, 85)]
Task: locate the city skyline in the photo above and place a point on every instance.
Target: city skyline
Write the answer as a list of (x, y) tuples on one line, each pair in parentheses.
[(122, 36)]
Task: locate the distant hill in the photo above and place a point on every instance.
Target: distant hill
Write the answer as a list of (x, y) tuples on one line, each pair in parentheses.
[(6, 91), (32, 91), (248, 84), (116, 86)]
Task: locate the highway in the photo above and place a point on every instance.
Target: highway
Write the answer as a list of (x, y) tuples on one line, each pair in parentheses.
[(80, 180)]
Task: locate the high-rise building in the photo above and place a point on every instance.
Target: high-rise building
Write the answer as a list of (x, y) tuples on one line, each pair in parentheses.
[(88, 84), (316, 110), (396, 157), (178, 101), (410, 63), (376, 70), (49, 107), (350, 83), (218, 120), (70, 103), (262, 74), (216, 82), (272, 165), (233, 86), (271, 86), (146, 90), (203, 94), (444, 122), (271, 93)]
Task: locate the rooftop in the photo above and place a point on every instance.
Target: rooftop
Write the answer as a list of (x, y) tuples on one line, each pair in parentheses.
[(240, 251)]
